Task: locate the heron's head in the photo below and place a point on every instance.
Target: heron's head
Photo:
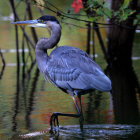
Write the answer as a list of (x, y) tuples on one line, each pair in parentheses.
[(44, 22)]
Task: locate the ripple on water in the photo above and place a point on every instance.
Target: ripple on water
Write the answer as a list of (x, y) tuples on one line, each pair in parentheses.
[(96, 132)]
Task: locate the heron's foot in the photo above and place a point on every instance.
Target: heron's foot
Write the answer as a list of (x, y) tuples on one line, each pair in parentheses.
[(81, 120), (54, 123)]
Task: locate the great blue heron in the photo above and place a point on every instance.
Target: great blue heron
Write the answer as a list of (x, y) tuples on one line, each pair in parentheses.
[(68, 68)]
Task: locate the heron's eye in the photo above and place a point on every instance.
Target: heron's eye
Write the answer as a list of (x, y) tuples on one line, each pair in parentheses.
[(41, 21)]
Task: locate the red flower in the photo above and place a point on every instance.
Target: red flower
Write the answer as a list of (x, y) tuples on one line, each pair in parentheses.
[(77, 5)]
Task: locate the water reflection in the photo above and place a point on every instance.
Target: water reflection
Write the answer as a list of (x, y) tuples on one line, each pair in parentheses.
[(95, 111), (124, 85), (31, 98), (25, 97), (2, 71)]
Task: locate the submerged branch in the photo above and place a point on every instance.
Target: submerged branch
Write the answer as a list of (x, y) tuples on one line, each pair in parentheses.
[(2, 58)]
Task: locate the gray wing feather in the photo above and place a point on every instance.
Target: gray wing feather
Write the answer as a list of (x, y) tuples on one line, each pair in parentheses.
[(71, 68)]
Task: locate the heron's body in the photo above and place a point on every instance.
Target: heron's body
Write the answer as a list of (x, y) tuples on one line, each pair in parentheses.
[(74, 71), (69, 68)]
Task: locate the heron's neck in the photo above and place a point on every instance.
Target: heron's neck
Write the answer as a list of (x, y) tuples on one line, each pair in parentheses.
[(47, 43)]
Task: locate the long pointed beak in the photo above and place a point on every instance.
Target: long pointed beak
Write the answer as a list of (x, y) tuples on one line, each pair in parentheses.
[(27, 22), (30, 23)]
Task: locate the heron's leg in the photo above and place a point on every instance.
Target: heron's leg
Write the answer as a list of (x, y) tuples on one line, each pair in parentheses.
[(54, 118), (81, 111), (76, 105)]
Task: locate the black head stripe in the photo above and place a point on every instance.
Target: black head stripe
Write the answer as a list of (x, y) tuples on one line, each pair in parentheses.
[(48, 18)]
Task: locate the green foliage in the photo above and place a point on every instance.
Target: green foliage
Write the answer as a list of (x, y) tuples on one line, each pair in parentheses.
[(100, 8), (125, 3), (137, 20)]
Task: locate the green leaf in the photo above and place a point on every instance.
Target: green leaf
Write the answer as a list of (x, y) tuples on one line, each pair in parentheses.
[(106, 5), (123, 17), (92, 19), (99, 12), (116, 13), (100, 9), (108, 12), (125, 4), (138, 16), (105, 17), (135, 21)]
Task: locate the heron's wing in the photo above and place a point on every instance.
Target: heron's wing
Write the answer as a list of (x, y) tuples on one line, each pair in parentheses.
[(72, 57), (71, 68)]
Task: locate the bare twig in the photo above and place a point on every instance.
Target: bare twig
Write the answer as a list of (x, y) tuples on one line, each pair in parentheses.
[(93, 41), (88, 38), (101, 42), (31, 17)]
